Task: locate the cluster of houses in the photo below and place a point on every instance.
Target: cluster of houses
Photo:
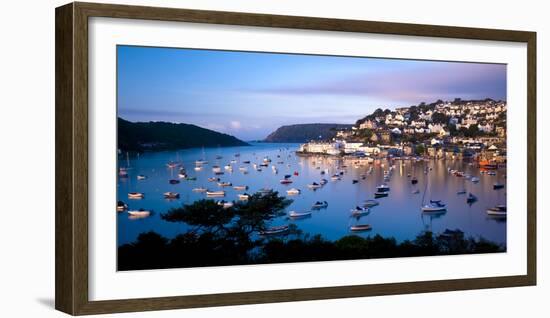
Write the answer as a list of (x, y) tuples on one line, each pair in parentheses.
[(437, 128)]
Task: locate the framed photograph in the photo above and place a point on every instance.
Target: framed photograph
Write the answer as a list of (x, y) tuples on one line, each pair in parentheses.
[(211, 158)]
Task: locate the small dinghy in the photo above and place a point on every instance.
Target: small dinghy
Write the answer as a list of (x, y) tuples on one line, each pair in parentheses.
[(414, 180), (434, 206), (498, 211), (293, 191), (225, 204), (359, 211), (173, 181), (215, 193), (171, 195), (314, 185), (139, 213), (225, 184), (136, 195), (198, 168), (383, 188), (121, 206), (296, 215), (323, 181), (240, 188), (286, 181), (335, 177), (370, 203), (200, 189), (243, 197), (319, 205), (141, 177), (360, 227), (498, 186), (415, 191), (381, 194), (463, 191), (214, 179), (354, 181), (274, 230), (474, 179)]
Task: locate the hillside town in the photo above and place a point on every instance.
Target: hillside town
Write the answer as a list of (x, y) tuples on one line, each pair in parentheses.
[(455, 129)]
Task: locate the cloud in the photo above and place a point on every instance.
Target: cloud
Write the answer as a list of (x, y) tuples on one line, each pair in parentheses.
[(424, 83), (235, 124)]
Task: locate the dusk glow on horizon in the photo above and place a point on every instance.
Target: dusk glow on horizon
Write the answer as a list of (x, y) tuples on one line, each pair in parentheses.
[(250, 94)]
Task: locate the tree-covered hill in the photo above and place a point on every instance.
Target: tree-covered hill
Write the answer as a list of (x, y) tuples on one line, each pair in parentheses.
[(143, 136)]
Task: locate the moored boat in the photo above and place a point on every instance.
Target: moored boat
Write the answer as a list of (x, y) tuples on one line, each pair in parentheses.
[(359, 211), (225, 184), (499, 211), (215, 193), (314, 185), (173, 181), (121, 206), (293, 191), (471, 198), (200, 189), (136, 195), (275, 230), (360, 227), (294, 214), (141, 177), (139, 213), (171, 195), (497, 186), (319, 205), (243, 197), (240, 188), (434, 206)]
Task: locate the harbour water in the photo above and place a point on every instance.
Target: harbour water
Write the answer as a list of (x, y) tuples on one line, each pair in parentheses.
[(398, 215)]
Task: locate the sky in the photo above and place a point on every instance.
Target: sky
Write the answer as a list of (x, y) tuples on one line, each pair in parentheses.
[(251, 94)]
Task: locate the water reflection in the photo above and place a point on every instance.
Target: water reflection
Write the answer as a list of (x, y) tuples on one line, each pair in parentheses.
[(397, 215)]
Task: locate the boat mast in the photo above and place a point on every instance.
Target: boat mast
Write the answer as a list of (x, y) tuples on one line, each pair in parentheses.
[(425, 189)]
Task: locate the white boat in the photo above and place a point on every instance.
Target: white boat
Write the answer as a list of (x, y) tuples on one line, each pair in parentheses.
[(474, 179), (383, 188), (140, 212), (415, 191), (293, 191), (243, 197), (200, 189), (215, 193), (216, 169), (294, 214), (171, 195), (360, 227), (370, 203), (240, 188), (359, 211), (335, 177), (213, 179), (198, 168), (314, 185), (228, 167), (323, 181), (243, 169), (141, 177), (225, 204), (121, 206), (319, 205), (233, 161), (136, 195), (225, 184), (499, 210), (275, 230), (201, 162), (434, 206)]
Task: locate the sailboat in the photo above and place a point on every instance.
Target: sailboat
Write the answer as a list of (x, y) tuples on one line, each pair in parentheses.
[(434, 206)]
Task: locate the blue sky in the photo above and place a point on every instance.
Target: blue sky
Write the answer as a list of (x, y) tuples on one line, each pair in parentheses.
[(249, 95)]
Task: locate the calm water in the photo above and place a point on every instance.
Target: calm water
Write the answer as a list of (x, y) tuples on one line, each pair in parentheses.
[(398, 215)]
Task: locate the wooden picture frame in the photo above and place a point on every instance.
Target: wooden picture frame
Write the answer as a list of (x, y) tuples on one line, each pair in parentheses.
[(71, 90)]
